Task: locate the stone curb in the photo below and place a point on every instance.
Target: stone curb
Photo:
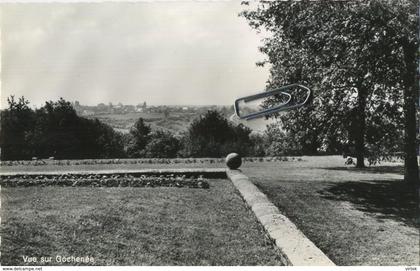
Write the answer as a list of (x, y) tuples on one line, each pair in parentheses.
[(295, 247)]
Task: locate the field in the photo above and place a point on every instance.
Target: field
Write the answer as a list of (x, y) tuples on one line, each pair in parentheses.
[(133, 226), (356, 217), (176, 122)]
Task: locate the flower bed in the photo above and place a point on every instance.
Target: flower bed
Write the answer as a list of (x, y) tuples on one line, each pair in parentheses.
[(98, 180)]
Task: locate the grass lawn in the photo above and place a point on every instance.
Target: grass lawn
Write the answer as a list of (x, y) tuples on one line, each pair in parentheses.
[(357, 217), (133, 226)]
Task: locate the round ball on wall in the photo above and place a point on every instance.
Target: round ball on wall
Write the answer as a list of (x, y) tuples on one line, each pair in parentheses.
[(233, 161)]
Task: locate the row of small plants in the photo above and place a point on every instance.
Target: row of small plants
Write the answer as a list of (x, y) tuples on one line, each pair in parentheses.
[(98, 180), (41, 162)]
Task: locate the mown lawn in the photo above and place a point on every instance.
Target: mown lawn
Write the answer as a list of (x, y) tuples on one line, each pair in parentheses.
[(133, 226), (357, 217)]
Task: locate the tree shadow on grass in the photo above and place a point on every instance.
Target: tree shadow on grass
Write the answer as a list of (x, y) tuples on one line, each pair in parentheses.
[(372, 169), (393, 199)]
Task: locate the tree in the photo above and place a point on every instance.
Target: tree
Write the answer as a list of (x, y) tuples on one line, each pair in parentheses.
[(100, 140), (278, 142), (162, 145), (60, 133), (212, 135), (140, 137), (166, 113), (359, 57), (259, 145), (17, 124), (55, 130)]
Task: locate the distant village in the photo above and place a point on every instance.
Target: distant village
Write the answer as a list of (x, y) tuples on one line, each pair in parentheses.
[(119, 108)]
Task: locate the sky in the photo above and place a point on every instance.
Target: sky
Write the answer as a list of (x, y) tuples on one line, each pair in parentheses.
[(160, 52)]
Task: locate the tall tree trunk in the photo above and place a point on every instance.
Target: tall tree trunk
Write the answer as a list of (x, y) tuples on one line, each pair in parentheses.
[(361, 124), (411, 168)]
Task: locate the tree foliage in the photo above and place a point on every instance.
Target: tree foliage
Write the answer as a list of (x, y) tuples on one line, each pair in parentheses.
[(279, 143), (358, 57), (212, 135), (54, 130), (16, 123), (162, 145), (139, 138)]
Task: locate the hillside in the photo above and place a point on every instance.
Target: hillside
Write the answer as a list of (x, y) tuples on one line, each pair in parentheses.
[(175, 121)]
